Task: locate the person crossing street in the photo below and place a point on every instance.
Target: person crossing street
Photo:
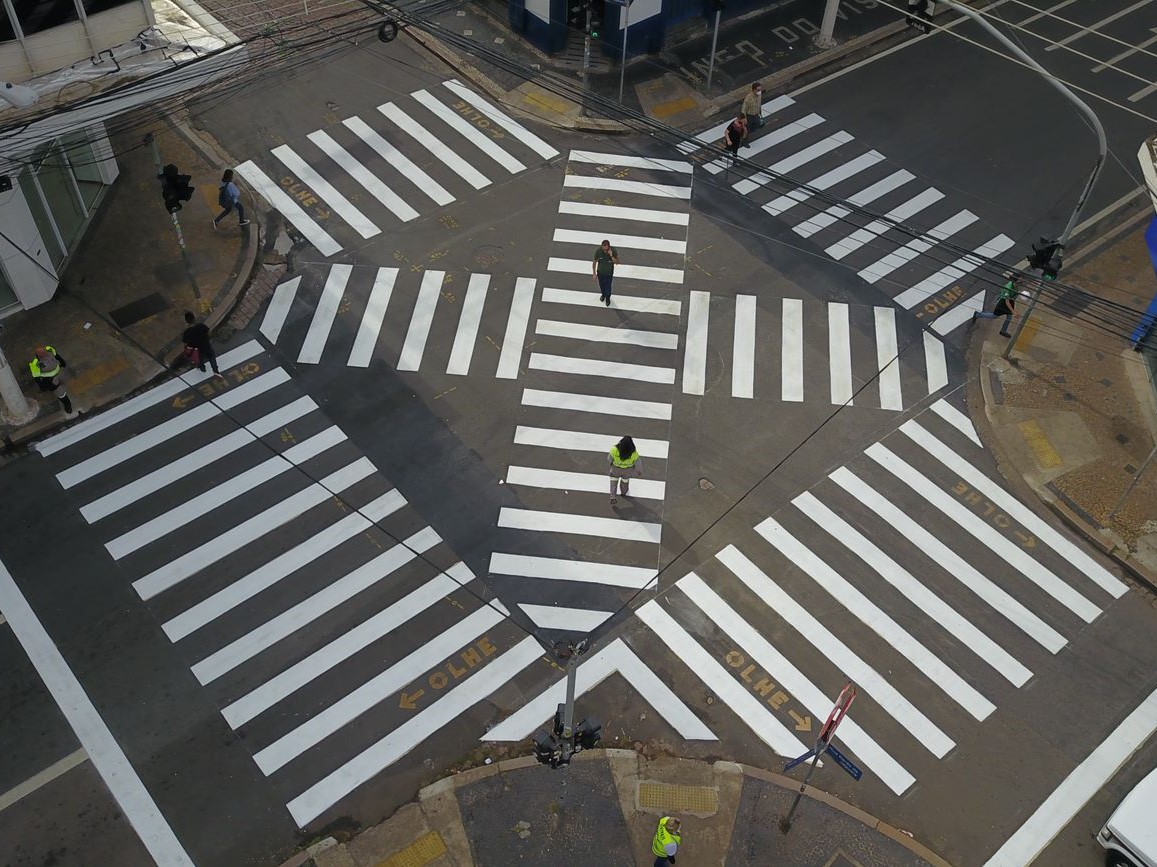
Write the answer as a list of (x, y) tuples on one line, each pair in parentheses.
[(603, 268), (666, 842), (1005, 306), (624, 458)]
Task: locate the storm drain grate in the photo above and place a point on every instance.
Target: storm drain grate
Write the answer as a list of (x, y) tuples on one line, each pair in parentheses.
[(679, 799)]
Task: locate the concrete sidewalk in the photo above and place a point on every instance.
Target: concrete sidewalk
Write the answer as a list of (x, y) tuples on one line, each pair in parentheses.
[(602, 812)]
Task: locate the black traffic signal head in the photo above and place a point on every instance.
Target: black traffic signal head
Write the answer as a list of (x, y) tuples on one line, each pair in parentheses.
[(175, 188), (588, 733), (1047, 258)]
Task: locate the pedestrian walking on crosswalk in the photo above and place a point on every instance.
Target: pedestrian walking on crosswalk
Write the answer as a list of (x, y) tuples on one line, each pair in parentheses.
[(198, 347), (1005, 306), (624, 458), (735, 135), (603, 269), (753, 106), (666, 843), (229, 198)]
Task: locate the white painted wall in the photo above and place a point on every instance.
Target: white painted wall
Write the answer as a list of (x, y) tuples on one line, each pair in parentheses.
[(540, 9), (30, 283)]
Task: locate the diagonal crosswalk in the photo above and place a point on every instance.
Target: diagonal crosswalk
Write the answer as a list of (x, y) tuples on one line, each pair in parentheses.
[(472, 141), (301, 587), (919, 273)]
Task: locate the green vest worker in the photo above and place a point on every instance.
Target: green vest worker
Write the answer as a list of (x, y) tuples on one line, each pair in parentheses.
[(666, 842), (624, 458), (46, 367)]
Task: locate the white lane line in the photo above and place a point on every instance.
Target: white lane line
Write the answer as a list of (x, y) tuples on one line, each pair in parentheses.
[(581, 525), (324, 314), (615, 185), (866, 196), (616, 212), (432, 145), (954, 317), (767, 141), (950, 562), (1048, 13), (899, 214), (695, 347), (468, 321), (521, 133), (872, 616), (600, 367), (278, 310), (839, 354), (888, 359), (935, 362), (596, 404), (205, 503), (898, 258), (421, 320), (373, 184), (372, 761), (949, 274), (761, 651), (38, 781), (141, 402), (743, 348), (791, 163), (373, 317), (281, 567), (629, 272), (1137, 96), (265, 187), (203, 556), (569, 440), (563, 480), (1010, 505), (607, 334), (162, 433), (715, 134), (469, 131), (95, 738), (630, 303), (957, 419), (963, 516), (825, 181), (791, 350), (559, 617), (634, 162), (890, 700), (405, 166), (1078, 788), (1094, 27), (754, 713), (919, 595), (627, 242), (1129, 52), (374, 691), (554, 569), (188, 464), (352, 641), (616, 657), (341, 206), (296, 617), (516, 325)]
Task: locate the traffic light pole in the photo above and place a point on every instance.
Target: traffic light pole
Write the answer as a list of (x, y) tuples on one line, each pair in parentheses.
[(1102, 150), (714, 40), (156, 151)]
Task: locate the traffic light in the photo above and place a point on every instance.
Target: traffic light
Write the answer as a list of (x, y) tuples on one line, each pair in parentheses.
[(174, 188), (1047, 258), (920, 14), (551, 748)]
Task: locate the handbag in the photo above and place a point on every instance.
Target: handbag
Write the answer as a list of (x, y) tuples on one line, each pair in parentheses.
[(194, 355)]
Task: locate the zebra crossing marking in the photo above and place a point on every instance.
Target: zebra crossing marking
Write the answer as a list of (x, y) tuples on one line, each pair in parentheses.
[(791, 350), (524, 135), (342, 206), (583, 525), (766, 142), (632, 304), (402, 163), (563, 480), (743, 358), (375, 314), (627, 242), (695, 343), (957, 419), (949, 274), (601, 368), (469, 131), (630, 161), (560, 617), (372, 183), (615, 658), (791, 163), (715, 134), (888, 359), (625, 272), (557, 569), (516, 325), (618, 212), (642, 188), (595, 403), (435, 147), (881, 268), (840, 354), (581, 441), (840, 173), (278, 309), (606, 334), (421, 320), (280, 200), (324, 314), (468, 323), (864, 197), (919, 202), (935, 363)]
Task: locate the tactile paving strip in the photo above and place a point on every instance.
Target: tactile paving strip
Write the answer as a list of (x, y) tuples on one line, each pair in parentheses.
[(679, 799)]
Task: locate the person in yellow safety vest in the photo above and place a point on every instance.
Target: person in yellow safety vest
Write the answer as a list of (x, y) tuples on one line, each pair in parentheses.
[(624, 458), (666, 842), (46, 367)]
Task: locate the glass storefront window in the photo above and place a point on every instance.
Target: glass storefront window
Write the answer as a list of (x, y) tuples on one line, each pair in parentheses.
[(37, 15), (61, 195), (91, 7), (83, 160), (40, 216)]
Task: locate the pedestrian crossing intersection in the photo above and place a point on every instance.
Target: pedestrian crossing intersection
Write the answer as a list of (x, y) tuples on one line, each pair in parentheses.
[(919, 273), (331, 625), (374, 173), (909, 571)]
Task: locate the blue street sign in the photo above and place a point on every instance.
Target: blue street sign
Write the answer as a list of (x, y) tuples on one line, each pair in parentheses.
[(794, 762), (844, 762)]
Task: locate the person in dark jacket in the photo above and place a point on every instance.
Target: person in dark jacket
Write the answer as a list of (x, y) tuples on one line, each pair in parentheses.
[(198, 349)]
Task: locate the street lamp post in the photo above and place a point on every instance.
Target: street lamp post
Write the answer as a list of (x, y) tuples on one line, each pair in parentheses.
[(1103, 148), (714, 40), (626, 7), (828, 25)]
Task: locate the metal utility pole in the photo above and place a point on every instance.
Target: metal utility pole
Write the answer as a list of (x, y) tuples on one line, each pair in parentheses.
[(823, 745), (17, 408), (828, 25), (587, 45), (1102, 145), (714, 40), (623, 60), (152, 142)]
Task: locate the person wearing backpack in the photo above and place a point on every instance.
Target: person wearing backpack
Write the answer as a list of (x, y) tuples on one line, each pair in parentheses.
[(229, 198)]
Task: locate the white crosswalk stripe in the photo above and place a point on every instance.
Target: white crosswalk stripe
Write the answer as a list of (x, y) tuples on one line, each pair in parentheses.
[(279, 558)]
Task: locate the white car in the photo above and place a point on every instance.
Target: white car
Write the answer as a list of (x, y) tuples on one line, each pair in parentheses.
[(1130, 835)]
